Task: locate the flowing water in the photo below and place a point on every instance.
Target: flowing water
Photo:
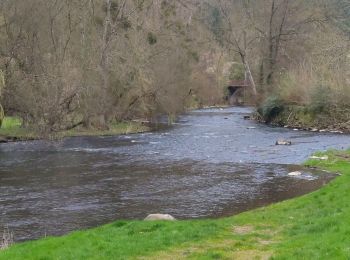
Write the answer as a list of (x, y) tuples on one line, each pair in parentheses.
[(212, 163)]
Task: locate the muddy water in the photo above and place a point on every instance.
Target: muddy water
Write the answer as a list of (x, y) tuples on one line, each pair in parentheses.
[(212, 163)]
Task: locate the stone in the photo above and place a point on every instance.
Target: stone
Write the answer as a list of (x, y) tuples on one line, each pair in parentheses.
[(294, 173), (155, 217), (283, 142), (337, 132), (322, 158)]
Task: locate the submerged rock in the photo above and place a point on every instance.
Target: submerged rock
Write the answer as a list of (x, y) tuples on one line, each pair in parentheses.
[(154, 217), (283, 142)]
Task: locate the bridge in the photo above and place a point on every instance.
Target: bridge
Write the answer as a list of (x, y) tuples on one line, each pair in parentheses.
[(236, 91)]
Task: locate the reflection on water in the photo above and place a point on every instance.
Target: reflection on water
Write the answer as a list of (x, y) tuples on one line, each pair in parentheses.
[(209, 165)]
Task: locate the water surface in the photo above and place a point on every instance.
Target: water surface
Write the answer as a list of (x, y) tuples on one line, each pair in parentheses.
[(212, 163)]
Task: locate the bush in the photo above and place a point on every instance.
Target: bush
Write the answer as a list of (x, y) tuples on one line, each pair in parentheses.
[(271, 108), (321, 99)]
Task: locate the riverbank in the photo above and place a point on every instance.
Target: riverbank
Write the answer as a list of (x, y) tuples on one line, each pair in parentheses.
[(335, 120), (12, 130), (314, 226)]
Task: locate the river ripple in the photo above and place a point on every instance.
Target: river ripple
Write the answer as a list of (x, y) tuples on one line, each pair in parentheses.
[(212, 163)]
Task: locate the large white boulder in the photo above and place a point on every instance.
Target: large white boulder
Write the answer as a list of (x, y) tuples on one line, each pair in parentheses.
[(153, 217), (295, 173)]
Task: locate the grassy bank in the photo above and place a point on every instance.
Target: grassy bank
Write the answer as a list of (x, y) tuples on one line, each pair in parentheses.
[(276, 112), (303, 117), (12, 130), (315, 226)]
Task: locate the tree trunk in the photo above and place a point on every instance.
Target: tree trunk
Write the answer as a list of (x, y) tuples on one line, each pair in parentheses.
[(249, 74)]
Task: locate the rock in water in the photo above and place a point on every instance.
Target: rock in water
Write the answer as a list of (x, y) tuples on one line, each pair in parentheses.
[(153, 217), (283, 142), (294, 174)]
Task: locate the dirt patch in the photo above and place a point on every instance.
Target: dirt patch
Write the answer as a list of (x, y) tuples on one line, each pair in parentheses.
[(192, 250), (343, 156), (252, 254), (243, 230), (265, 242)]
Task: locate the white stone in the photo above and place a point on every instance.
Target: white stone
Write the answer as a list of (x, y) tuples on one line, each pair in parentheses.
[(337, 132), (154, 217), (294, 173), (322, 158)]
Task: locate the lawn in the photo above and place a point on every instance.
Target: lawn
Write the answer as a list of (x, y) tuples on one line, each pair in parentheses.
[(314, 226)]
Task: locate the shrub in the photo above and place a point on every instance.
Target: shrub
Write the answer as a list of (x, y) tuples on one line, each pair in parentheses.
[(271, 108), (321, 99)]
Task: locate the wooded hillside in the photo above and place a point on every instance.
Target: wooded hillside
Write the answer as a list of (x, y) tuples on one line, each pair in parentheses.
[(87, 63)]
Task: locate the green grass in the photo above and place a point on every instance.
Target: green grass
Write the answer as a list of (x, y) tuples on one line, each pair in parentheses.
[(12, 129), (11, 122), (315, 226)]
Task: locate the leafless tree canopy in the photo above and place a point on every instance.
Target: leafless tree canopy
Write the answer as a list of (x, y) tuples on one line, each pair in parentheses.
[(65, 63)]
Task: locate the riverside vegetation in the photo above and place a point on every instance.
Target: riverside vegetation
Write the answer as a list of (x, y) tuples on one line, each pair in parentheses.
[(314, 226), (90, 64), (325, 115), (12, 130)]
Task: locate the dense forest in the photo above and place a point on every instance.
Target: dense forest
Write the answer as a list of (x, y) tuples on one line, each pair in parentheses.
[(87, 63)]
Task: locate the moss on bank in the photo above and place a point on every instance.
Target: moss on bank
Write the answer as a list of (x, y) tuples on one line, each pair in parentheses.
[(12, 130), (314, 226)]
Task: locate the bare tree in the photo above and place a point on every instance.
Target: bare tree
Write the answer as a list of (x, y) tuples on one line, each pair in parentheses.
[(237, 36)]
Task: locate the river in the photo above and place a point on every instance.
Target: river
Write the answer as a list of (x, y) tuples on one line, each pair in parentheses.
[(211, 163)]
